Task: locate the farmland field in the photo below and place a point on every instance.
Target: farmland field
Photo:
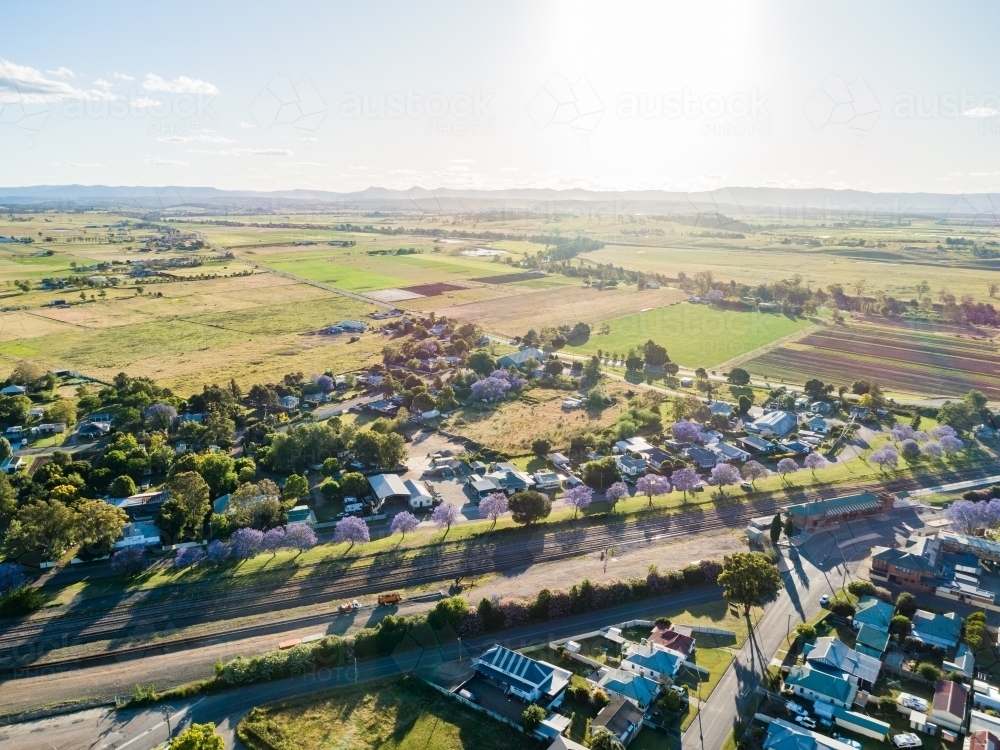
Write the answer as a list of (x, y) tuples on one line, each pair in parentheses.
[(694, 335), (554, 307), (903, 360)]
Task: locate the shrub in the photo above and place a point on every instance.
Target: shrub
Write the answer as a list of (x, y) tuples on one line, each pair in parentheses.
[(711, 570), (805, 631), (900, 625), (533, 717), (928, 671), (886, 704), (21, 601), (671, 701), (599, 698), (906, 603), (693, 575), (861, 588), (579, 693), (515, 613), (842, 608)]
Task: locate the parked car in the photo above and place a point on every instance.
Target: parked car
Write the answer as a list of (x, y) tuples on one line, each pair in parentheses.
[(906, 740), (746, 486), (389, 599), (806, 721), (463, 693), (349, 607), (914, 703), (847, 741), (824, 600), (795, 708)]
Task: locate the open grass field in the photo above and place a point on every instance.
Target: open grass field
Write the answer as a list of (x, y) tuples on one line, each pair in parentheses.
[(557, 307), (694, 335), (402, 714), (914, 361)]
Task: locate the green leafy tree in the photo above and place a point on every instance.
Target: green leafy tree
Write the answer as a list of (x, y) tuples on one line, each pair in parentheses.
[(219, 429), (198, 737), (296, 487), (602, 739), (392, 451), (744, 403), (190, 493), (533, 717), (354, 484), (331, 467), (123, 486), (900, 625), (99, 524), (219, 472), (45, 526), (592, 370), (775, 529), (738, 376), (482, 363), (601, 474), (654, 354), (528, 507), (61, 411), (750, 580), (906, 604), (541, 447)]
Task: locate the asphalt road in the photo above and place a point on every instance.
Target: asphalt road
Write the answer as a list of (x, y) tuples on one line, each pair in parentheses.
[(145, 729), (821, 566)]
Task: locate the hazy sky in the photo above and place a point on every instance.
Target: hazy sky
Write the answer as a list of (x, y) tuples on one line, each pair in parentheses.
[(613, 95)]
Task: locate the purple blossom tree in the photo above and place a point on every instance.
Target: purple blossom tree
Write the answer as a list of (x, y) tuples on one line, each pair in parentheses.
[(299, 536), (129, 561), (715, 296), (992, 514), (943, 430), (967, 516), (445, 515), (814, 461), (246, 543), (218, 552), (513, 379), (351, 529), (493, 506), (580, 497), (787, 466), (685, 431), (754, 470), (274, 539), (909, 449), (403, 523), (685, 480), (885, 456), (951, 444), (901, 431), (490, 389), (652, 484), (932, 448), (920, 436), (614, 493), (723, 475), (189, 556), (160, 416), (11, 577), (325, 383)]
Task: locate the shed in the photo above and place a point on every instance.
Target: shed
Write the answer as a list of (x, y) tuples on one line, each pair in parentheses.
[(388, 487), (301, 514), (420, 496), (861, 724)]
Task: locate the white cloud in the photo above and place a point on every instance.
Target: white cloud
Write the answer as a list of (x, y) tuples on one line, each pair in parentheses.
[(201, 137), (458, 169), (123, 77), (463, 161), (994, 173), (508, 169), (402, 171), (61, 72), (362, 168), (166, 162), (246, 152), (180, 85), (981, 112), (86, 165), (103, 84), (246, 124), (146, 101), (22, 83), (303, 164)]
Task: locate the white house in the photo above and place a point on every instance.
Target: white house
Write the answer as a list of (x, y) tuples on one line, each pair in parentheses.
[(633, 467), (289, 402), (729, 453), (420, 496), (547, 480), (388, 487), (650, 660)]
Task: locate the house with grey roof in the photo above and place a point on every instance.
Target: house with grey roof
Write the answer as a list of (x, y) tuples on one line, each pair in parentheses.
[(932, 629), (778, 423), (835, 656), (620, 717), (518, 358)]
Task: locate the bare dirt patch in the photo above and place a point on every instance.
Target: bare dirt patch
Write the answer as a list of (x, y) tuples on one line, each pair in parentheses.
[(433, 290)]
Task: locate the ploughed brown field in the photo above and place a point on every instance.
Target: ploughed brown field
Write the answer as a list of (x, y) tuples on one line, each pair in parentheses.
[(433, 290), (514, 315), (912, 361)]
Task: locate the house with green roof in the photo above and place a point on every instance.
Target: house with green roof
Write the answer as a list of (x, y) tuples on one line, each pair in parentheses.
[(814, 515), (819, 685), (633, 687), (870, 610), (871, 641), (932, 629)]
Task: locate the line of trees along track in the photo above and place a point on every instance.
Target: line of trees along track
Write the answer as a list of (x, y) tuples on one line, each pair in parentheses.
[(22, 642)]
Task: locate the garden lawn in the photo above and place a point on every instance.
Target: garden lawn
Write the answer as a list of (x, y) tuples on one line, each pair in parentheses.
[(694, 335), (403, 714)]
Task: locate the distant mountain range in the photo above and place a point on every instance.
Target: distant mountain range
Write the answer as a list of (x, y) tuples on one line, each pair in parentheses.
[(780, 203)]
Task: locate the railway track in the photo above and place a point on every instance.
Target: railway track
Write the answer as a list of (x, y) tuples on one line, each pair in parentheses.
[(25, 642)]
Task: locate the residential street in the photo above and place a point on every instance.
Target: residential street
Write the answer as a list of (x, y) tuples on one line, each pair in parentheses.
[(820, 566)]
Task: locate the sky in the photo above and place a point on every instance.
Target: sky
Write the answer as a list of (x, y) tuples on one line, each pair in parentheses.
[(887, 96)]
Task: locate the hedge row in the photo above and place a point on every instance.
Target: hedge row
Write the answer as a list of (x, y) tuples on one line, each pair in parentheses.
[(452, 617)]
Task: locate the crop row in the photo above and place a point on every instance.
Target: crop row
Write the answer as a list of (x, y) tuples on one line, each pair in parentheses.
[(894, 354), (946, 344)]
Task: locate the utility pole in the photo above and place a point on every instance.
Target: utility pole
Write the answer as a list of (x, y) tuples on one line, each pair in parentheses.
[(460, 650), (166, 712), (788, 628)]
